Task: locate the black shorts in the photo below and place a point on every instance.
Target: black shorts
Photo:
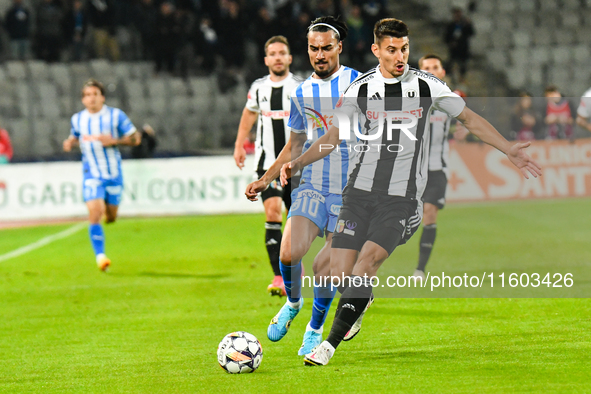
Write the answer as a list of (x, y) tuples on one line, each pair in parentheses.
[(435, 189), (388, 221), (276, 190)]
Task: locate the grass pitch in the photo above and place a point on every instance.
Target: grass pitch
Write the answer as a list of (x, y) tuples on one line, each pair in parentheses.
[(178, 285)]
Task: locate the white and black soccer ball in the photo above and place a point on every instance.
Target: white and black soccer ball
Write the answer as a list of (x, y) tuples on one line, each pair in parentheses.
[(240, 352)]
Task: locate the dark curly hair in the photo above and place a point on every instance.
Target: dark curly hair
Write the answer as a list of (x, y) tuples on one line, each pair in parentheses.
[(339, 25)]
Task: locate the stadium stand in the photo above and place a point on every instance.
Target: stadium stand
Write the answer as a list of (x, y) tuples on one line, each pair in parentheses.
[(518, 45)]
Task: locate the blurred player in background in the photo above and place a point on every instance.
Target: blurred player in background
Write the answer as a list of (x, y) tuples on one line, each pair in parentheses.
[(384, 190), (434, 194), (98, 130), (268, 102), (317, 200), (584, 111)]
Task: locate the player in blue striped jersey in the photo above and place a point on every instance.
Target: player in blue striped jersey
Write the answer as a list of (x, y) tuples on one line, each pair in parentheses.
[(317, 200), (98, 130)]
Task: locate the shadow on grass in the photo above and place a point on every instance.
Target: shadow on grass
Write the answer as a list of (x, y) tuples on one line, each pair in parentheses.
[(179, 275)]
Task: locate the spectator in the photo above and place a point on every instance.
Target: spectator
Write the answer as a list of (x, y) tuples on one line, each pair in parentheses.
[(17, 26), (524, 120), (359, 38), (102, 17), (558, 115), (265, 27), (145, 149), (75, 30), (231, 27), (5, 147), (206, 41), (49, 31), (166, 39), (145, 22), (186, 27), (457, 38)]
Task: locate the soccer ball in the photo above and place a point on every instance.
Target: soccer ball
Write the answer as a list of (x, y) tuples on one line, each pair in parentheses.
[(240, 352)]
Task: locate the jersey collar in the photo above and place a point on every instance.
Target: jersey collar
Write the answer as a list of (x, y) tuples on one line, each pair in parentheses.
[(396, 79), (280, 83)]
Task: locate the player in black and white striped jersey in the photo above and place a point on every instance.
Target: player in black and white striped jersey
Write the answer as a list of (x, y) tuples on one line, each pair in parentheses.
[(269, 103), (434, 194), (382, 201)]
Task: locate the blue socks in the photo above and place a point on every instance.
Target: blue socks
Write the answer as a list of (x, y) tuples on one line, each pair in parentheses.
[(323, 297), (97, 238), (292, 279)]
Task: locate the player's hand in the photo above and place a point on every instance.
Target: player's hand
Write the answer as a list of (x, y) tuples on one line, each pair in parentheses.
[(461, 132), (288, 170), (239, 156), (106, 139), (521, 160), (67, 145), (254, 188)]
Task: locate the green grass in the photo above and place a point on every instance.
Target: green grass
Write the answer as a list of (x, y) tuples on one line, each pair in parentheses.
[(178, 285)]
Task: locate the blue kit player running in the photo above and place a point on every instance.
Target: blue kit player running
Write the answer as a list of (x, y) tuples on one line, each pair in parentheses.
[(98, 130), (317, 200)]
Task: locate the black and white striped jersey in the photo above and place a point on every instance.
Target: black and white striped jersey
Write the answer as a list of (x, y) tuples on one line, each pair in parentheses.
[(439, 144), (271, 100), (396, 163)]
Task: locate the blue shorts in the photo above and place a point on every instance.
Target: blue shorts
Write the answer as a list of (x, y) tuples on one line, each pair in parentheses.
[(321, 208), (109, 190)]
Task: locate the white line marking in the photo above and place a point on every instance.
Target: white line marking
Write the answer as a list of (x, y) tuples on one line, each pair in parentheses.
[(42, 242)]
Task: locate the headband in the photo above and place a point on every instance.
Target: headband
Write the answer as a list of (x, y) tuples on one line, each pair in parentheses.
[(327, 25)]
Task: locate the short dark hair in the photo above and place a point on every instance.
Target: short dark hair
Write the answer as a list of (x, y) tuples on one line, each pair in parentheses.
[(390, 27), (94, 83), (430, 56), (339, 25), (551, 89), (275, 39)]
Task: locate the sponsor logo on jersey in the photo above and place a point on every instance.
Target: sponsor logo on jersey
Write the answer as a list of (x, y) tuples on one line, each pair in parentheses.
[(397, 115), (311, 194), (335, 209), (275, 114)]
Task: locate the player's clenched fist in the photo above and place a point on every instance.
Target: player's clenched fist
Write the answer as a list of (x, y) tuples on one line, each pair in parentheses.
[(254, 188)]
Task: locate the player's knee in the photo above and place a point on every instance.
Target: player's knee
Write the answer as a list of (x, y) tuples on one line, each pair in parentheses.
[(429, 214), (292, 254)]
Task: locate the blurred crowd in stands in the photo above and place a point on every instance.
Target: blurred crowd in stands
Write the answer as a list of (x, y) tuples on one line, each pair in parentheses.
[(180, 36), (549, 118)]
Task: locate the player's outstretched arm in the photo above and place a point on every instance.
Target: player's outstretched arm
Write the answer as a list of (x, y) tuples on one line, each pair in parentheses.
[(133, 139), (319, 149), (294, 145), (481, 128), (69, 143), (247, 121)]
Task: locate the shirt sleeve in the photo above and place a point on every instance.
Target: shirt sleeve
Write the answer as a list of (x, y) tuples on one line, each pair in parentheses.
[(449, 102), (124, 125), (297, 121), (74, 126), (584, 110), (251, 100)]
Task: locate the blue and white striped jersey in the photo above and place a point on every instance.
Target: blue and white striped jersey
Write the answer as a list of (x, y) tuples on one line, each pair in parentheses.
[(308, 102), (101, 162)]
